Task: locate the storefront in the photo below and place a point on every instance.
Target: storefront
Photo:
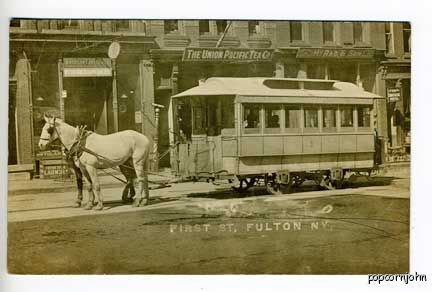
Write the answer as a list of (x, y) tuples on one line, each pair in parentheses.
[(176, 71)]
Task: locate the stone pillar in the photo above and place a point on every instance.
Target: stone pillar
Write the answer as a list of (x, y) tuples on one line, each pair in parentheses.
[(24, 113), (279, 70), (302, 72)]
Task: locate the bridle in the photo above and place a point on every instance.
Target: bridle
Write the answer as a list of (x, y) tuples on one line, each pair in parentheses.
[(52, 128)]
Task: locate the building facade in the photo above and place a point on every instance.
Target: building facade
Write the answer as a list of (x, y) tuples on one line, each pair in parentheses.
[(64, 65)]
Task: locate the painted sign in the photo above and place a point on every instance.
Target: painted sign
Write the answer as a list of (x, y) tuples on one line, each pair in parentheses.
[(87, 67), (227, 55), (394, 94), (335, 53)]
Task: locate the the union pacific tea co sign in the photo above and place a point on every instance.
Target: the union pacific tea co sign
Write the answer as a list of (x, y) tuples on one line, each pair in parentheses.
[(227, 55)]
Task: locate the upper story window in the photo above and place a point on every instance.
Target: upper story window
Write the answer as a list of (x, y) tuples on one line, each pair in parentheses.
[(121, 25), (221, 26), (67, 24), (170, 26), (204, 27), (389, 37), (406, 27), (15, 23), (254, 27), (328, 32), (358, 32), (296, 31)]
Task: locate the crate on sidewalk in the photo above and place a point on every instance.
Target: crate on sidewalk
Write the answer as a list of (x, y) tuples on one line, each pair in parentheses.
[(54, 168)]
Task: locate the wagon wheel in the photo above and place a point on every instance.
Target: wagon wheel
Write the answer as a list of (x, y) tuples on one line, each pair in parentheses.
[(245, 183), (326, 183), (297, 181)]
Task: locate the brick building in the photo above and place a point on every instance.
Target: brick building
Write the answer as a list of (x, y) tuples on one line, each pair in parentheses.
[(63, 64)]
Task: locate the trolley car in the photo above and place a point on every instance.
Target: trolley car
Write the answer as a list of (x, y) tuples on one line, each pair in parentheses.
[(282, 131)]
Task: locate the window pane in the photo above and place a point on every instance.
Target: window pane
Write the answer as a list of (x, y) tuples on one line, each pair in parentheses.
[(272, 116), (329, 118), (204, 26), (122, 25), (311, 117), (221, 25), (253, 27), (328, 30), (170, 26), (407, 37), (358, 32), (251, 116), (296, 31), (292, 117), (364, 116), (347, 116)]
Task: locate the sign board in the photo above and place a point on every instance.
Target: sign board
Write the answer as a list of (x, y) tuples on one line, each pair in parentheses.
[(114, 50), (394, 94), (87, 67), (138, 117), (227, 55), (335, 53)]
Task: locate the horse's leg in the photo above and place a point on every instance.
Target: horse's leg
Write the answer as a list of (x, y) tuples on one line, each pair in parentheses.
[(79, 182), (139, 181), (92, 171), (145, 184), (129, 173), (90, 193)]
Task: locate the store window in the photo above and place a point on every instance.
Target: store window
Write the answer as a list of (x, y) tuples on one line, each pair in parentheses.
[(364, 116), (254, 27), (347, 116), (221, 26), (406, 26), (358, 32), (316, 71), (67, 24), (292, 118), (296, 31), (170, 26), (329, 119), (273, 118), (251, 118), (204, 27), (15, 23), (122, 25), (311, 118), (328, 32)]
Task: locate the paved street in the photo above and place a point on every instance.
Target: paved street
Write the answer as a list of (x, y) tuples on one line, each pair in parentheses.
[(200, 228)]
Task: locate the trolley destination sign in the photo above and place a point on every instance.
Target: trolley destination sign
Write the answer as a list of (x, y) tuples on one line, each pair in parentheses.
[(227, 55)]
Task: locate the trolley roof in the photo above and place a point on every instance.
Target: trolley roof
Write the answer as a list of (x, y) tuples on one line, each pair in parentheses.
[(287, 87)]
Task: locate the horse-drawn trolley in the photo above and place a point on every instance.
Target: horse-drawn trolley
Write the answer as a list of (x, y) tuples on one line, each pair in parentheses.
[(280, 131)]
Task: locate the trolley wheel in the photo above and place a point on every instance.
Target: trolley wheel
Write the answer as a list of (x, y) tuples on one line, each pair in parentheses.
[(297, 181), (245, 184)]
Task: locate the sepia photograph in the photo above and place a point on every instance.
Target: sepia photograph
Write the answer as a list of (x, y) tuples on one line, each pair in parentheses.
[(208, 147)]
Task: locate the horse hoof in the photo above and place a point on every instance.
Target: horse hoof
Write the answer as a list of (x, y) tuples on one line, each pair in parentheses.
[(99, 207), (88, 206), (77, 204), (143, 203), (136, 203)]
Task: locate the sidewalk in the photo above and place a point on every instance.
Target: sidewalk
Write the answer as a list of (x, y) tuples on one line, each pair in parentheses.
[(36, 185)]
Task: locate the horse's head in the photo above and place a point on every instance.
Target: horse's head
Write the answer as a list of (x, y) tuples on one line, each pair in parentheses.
[(49, 132)]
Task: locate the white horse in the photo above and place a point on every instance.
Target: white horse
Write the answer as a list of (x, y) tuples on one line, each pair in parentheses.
[(107, 151)]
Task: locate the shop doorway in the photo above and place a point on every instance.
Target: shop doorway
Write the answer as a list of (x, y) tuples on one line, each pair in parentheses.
[(87, 103)]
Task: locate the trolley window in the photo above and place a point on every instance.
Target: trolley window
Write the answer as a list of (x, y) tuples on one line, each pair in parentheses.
[(292, 119), (251, 119), (329, 118), (311, 119), (347, 117), (273, 118), (364, 117)]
